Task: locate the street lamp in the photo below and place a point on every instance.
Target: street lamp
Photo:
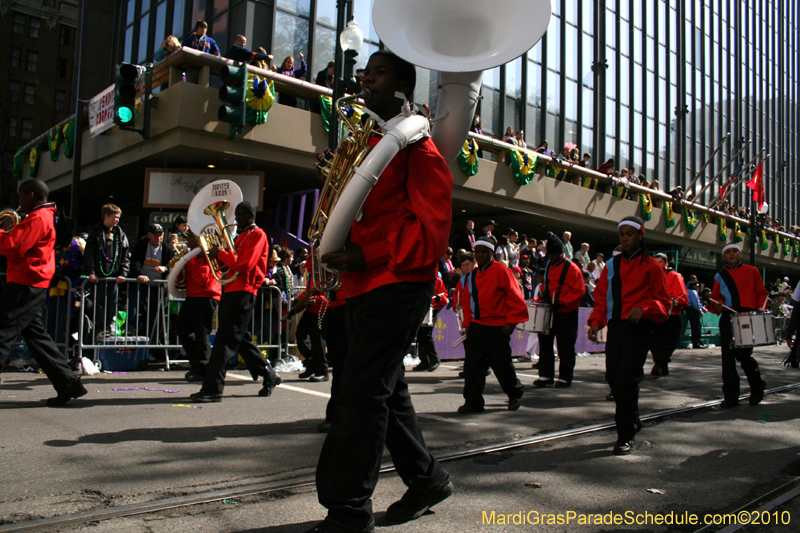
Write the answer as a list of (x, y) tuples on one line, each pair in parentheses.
[(351, 40)]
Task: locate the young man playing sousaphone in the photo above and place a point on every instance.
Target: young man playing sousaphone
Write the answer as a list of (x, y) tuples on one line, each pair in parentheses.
[(739, 287), (388, 269)]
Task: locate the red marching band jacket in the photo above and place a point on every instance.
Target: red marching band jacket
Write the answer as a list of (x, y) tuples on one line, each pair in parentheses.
[(739, 287), (405, 226), (494, 297), (200, 282), (29, 248), (250, 261), (569, 297), (439, 290), (676, 288), (638, 281)]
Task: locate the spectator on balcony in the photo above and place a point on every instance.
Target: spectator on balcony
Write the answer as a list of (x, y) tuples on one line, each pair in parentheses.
[(239, 52), (542, 149), (199, 40), (477, 127), (519, 139), (287, 68), (587, 158), (325, 78), (510, 139), (170, 45), (607, 167)]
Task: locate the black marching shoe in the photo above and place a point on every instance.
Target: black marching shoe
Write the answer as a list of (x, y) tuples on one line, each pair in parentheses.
[(756, 395), (75, 390), (329, 526), (414, 502), (623, 447), (422, 367), (543, 382), (434, 366), (324, 427), (514, 404), (194, 376), (563, 384), (306, 374), (467, 408), (318, 379), (728, 404), (206, 397), (657, 371), (267, 389)]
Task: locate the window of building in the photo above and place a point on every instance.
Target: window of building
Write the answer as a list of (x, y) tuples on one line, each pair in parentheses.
[(19, 23), (30, 94), (12, 126), (63, 35), (13, 91), (16, 56), (33, 61), (27, 128), (62, 67), (60, 101), (33, 26)]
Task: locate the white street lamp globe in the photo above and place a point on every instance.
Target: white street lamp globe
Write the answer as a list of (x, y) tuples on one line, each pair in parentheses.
[(352, 38), (764, 208)]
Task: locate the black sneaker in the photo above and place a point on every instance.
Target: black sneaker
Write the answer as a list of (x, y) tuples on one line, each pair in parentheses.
[(422, 367), (194, 376), (623, 447), (728, 404), (543, 382), (329, 526), (306, 374), (75, 390), (434, 366), (467, 408), (514, 404), (267, 389), (756, 395), (318, 379), (563, 384), (206, 397), (414, 503)]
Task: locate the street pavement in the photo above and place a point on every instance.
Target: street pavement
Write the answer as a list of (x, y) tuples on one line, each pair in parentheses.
[(118, 447)]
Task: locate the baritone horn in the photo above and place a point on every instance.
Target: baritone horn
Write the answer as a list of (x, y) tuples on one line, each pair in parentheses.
[(9, 220), (457, 38), (217, 200)]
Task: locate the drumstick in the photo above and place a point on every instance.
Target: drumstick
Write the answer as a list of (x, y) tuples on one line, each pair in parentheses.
[(723, 306), (459, 341), (764, 306)]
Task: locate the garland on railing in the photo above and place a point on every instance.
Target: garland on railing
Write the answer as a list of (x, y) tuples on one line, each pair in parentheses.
[(669, 214), (777, 238), (468, 157), (647, 206), (722, 229), (54, 142), (35, 159), (260, 97), (797, 248), (764, 240), (523, 166), (68, 135), (16, 169), (787, 247), (705, 218), (737, 233), (690, 219), (353, 112), (589, 182)]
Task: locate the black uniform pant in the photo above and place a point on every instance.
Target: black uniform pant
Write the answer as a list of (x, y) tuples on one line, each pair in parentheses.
[(488, 346), (194, 325), (730, 376), (308, 328), (565, 332), (374, 406), (233, 335), (334, 330), (694, 320), (426, 347), (665, 339), (21, 312), (626, 352)]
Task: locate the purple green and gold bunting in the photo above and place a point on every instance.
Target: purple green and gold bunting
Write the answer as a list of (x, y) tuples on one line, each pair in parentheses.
[(722, 229), (796, 248), (16, 169), (690, 219), (54, 142), (669, 214), (647, 206), (260, 97), (589, 182), (705, 218), (523, 166), (737, 233), (35, 158), (68, 137), (777, 238), (787, 247), (764, 240), (353, 113), (468, 157)]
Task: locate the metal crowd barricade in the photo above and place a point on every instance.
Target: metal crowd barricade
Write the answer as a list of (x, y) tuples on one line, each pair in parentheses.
[(125, 316)]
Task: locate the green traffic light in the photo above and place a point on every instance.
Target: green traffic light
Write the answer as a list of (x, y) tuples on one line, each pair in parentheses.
[(125, 114)]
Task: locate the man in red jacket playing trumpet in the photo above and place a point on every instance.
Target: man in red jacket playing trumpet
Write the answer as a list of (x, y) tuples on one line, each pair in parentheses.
[(31, 265)]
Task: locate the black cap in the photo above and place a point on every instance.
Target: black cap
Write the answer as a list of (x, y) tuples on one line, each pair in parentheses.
[(155, 228), (490, 223), (554, 245)]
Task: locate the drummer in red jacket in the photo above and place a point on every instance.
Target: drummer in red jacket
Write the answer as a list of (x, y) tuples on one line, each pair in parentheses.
[(428, 358), (667, 334), (737, 286), (496, 307), (630, 296), (563, 288)]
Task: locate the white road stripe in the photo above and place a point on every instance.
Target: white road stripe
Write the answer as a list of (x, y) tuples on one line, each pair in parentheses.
[(284, 386)]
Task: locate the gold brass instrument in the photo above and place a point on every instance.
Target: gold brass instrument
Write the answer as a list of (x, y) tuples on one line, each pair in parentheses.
[(218, 234), (337, 171), (9, 220), (180, 249)]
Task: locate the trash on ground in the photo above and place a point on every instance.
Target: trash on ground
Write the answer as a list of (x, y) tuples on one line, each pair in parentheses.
[(534, 485), (656, 491), (148, 389)]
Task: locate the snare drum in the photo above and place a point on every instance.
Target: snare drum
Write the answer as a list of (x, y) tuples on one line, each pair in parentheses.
[(752, 329), (540, 318), (428, 320)]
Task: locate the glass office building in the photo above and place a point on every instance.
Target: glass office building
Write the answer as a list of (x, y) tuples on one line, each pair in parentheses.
[(654, 84)]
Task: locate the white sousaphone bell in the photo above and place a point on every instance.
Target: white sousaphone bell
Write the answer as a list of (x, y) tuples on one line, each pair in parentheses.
[(211, 209), (459, 39)]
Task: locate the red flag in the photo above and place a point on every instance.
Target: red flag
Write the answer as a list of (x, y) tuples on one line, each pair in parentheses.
[(756, 183)]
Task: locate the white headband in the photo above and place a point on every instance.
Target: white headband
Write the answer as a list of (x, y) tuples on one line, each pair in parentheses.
[(632, 224), (728, 247), (485, 243)]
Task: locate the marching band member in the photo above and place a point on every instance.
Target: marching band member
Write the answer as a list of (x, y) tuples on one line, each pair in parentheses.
[(496, 307), (428, 358), (196, 316), (564, 289), (334, 331), (313, 303), (31, 265), (238, 301), (737, 286), (391, 258), (630, 296), (667, 334)]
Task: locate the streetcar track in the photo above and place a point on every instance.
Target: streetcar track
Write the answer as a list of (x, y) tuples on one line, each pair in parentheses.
[(306, 481)]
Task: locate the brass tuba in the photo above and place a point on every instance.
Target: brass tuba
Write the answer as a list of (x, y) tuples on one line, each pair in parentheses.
[(9, 220), (217, 200)]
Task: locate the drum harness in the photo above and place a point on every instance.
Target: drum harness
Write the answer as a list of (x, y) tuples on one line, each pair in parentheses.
[(561, 281)]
